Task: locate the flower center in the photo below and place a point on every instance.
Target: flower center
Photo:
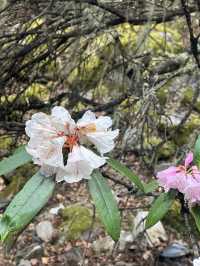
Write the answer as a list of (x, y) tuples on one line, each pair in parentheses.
[(71, 141)]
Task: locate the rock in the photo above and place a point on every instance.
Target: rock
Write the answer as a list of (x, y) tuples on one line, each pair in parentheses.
[(175, 250), (92, 234), (32, 251), (122, 263), (154, 234), (176, 118), (24, 263), (73, 257), (103, 244), (125, 237), (56, 210), (77, 220), (130, 137), (45, 231)]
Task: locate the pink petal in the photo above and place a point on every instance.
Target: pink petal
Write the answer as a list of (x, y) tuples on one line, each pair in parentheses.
[(188, 159), (167, 172), (196, 173), (167, 176), (192, 192), (172, 178)]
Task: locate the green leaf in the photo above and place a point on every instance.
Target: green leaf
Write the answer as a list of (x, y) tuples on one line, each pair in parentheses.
[(151, 186), (197, 152), (106, 204), (25, 205), (125, 171), (195, 211), (159, 208), (19, 158)]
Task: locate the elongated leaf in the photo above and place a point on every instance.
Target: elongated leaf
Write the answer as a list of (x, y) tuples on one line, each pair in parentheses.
[(19, 158), (25, 205), (106, 204), (159, 208), (197, 152), (151, 186), (125, 171), (195, 211)]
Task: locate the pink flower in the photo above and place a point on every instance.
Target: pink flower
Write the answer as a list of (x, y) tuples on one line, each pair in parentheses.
[(185, 178), (176, 177)]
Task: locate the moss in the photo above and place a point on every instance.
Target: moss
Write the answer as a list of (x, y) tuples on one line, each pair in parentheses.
[(127, 34), (188, 128), (5, 142), (15, 185), (19, 178), (187, 99), (167, 150), (162, 95), (77, 219), (37, 90), (170, 42)]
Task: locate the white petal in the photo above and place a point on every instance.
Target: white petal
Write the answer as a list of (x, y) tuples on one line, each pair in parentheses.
[(94, 160), (87, 118), (103, 123), (47, 152), (104, 141), (40, 125), (80, 164), (61, 115)]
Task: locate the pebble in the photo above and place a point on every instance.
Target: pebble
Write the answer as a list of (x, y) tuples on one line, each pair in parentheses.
[(45, 231), (24, 263)]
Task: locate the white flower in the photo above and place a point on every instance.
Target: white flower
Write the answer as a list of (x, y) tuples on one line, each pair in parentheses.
[(97, 131), (56, 143), (80, 165), (196, 262)]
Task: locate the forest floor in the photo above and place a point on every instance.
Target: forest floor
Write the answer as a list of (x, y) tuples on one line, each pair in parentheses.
[(93, 247)]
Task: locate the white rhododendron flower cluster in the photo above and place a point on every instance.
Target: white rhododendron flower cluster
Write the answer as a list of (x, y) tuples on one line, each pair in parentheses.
[(56, 143)]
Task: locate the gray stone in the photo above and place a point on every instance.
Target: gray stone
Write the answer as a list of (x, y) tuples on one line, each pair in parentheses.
[(175, 250), (122, 263), (24, 263), (73, 257), (103, 244), (125, 237), (56, 210), (45, 231)]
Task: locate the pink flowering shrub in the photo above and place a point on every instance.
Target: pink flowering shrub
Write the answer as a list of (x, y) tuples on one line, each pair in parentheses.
[(185, 178)]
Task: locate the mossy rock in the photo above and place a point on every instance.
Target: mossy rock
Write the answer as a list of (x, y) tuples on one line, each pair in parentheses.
[(187, 99), (6, 142), (171, 42), (77, 220), (184, 133), (188, 128), (162, 95), (167, 150), (38, 90)]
